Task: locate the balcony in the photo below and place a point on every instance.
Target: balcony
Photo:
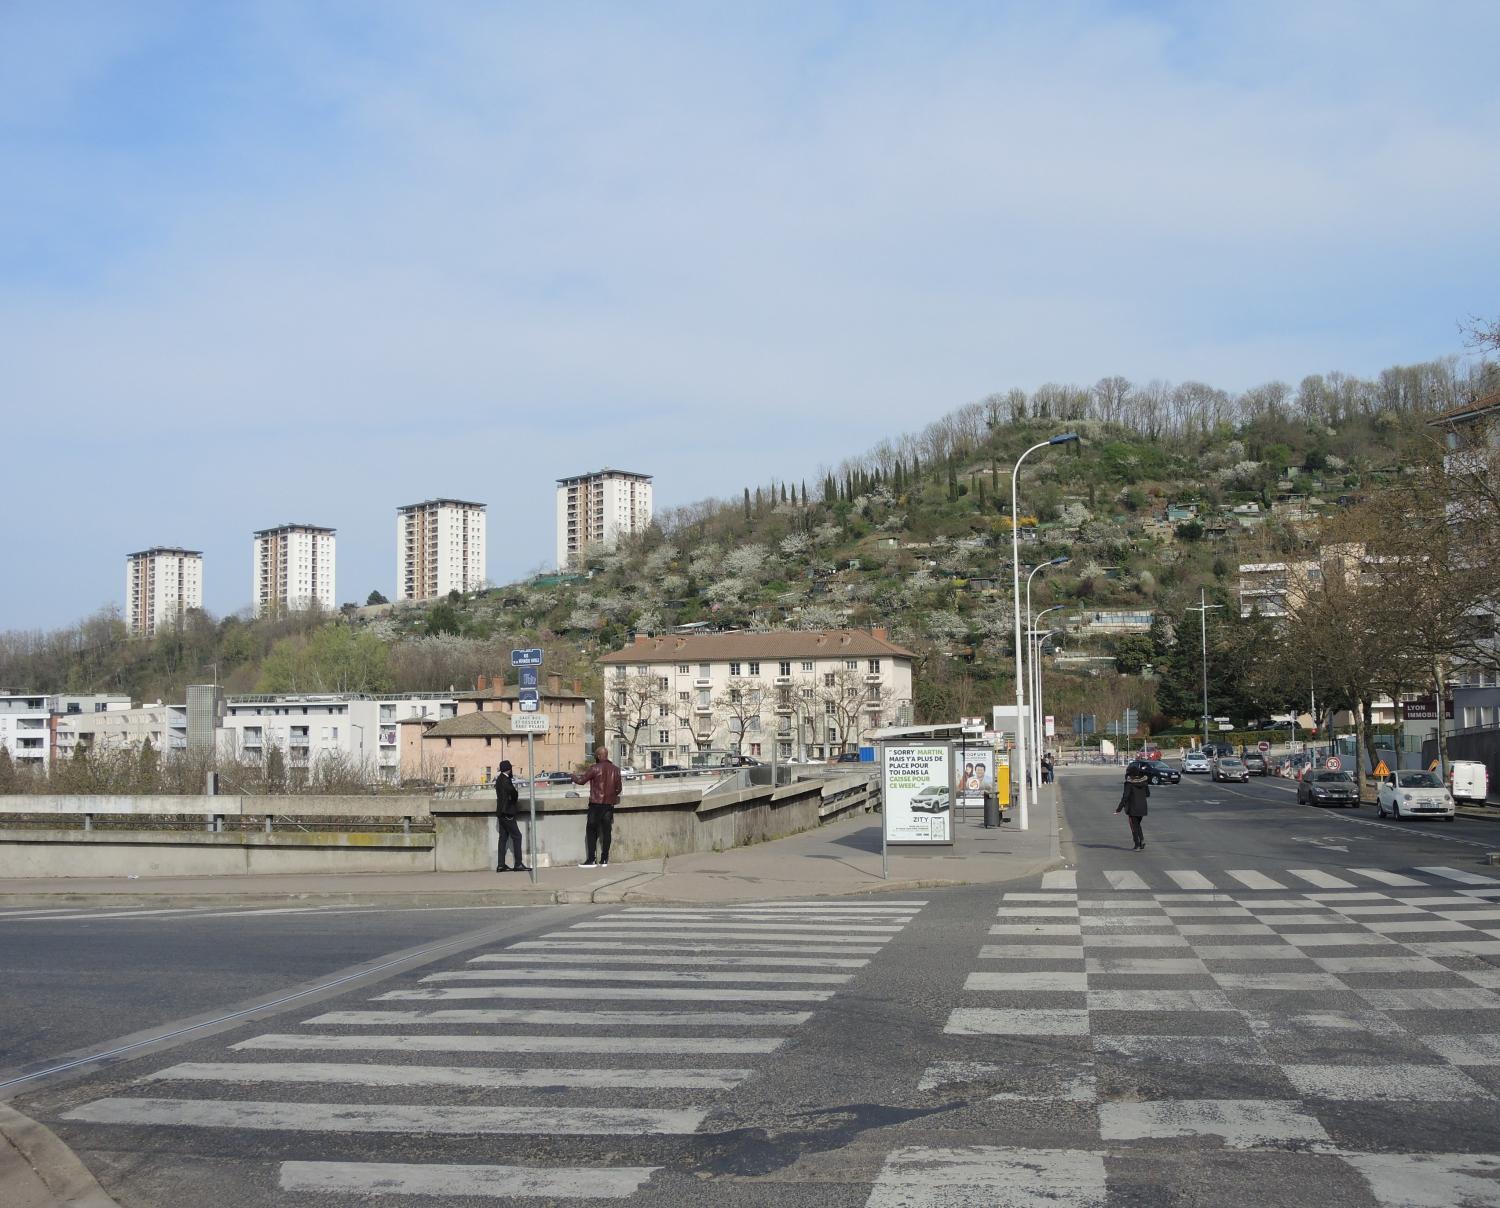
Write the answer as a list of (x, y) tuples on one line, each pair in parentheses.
[(703, 707), (703, 682), (782, 680), (873, 677)]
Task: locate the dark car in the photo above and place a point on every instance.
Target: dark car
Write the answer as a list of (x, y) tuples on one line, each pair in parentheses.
[(848, 757), (1163, 772), (1322, 787), (1255, 764), (740, 761)]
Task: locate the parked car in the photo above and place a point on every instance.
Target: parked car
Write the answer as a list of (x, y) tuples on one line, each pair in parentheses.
[(848, 757), (668, 767), (1411, 793), (1322, 787), (1228, 767), (1255, 764), (931, 800), (627, 772), (1468, 781), (740, 761), (1196, 761), (1163, 772)]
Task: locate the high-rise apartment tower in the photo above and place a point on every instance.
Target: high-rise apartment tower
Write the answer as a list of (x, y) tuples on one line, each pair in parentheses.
[(293, 569), (161, 584), (439, 548), (597, 509)]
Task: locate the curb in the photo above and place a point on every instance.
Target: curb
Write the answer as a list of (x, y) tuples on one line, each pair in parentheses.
[(38, 1171)]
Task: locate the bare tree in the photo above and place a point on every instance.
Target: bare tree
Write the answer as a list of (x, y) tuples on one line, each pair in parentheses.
[(741, 706), (633, 702)]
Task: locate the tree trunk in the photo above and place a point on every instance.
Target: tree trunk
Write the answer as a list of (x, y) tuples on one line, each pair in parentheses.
[(1441, 714), (1360, 739)]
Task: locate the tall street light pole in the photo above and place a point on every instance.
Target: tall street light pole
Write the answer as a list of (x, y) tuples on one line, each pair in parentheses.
[(1202, 611), (1037, 726), (1036, 754), (1019, 763)]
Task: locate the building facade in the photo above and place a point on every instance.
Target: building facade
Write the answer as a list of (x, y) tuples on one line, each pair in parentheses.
[(26, 729), (439, 548), (358, 729), (124, 728), (595, 510), (161, 584), (293, 569), (790, 695)]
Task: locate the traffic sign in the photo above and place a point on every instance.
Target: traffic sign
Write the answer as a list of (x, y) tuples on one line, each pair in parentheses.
[(528, 723), (529, 706), (1262, 746), (1333, 763), (1381, 769), (529, 694), (529, 677), (526, 658)]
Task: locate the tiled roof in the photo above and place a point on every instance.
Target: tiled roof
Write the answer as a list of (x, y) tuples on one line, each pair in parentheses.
[(1467, 411), (510, 692), (472, 725), (783, 644)]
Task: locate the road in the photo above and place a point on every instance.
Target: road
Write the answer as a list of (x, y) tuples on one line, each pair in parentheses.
[(1270, 1005)]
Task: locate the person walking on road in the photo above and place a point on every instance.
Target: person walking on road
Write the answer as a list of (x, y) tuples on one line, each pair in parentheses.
[(507, 801), (1133, 799), (603, 780)]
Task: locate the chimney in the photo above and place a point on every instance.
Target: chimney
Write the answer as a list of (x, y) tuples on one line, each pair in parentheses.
[(554, 684), (642, 639), (578, 687), (480, 683), (879, 633)]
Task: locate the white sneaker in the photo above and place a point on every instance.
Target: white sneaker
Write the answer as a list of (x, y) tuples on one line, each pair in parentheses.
[(588, 864), (603, 863)]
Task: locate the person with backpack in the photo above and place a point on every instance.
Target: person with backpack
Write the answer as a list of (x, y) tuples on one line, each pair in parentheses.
[(507, 802), (1133, 799)]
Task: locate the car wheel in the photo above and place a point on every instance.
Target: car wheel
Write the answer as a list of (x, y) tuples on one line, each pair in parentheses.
[(1395, 809), (1379, 808)]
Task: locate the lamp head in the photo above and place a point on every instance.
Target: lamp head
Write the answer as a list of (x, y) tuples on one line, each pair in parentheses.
[(1064, 438), (1059, 561)]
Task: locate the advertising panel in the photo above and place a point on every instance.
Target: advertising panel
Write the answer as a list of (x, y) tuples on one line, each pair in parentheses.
[(917, 785), (973, 774)]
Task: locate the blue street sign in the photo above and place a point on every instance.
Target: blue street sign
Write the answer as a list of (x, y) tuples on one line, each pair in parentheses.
[(529, 706), (529, 677), (526, 658), (529, 696)]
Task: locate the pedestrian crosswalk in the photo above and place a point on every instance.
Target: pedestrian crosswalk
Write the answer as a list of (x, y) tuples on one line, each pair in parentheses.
[(623, 1027), (1306, 1035), (22, 916), (1236, 879)]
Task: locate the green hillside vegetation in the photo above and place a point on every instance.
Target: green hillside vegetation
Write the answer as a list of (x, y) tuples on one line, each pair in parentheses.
[(914, 534)]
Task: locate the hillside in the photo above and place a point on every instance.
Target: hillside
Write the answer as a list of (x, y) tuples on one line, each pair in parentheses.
[(1169, 489)]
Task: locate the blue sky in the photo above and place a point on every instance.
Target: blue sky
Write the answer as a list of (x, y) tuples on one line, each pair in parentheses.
[(303, 261)]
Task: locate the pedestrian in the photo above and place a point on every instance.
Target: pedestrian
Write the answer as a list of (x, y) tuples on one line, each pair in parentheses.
[(603, 780), (1047, 768), (507, 801), (1133, 799)]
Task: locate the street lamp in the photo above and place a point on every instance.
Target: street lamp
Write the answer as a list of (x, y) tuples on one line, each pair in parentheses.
[(1035, 654), (1015, 577), (1036, 758), (1202, 611)]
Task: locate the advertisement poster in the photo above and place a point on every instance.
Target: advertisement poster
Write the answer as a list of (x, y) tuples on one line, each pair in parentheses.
[(917, 790), (973, 774)]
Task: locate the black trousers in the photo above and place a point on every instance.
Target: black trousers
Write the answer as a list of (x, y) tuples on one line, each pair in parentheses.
[(510, 835), (1136, 832), (598, 831)]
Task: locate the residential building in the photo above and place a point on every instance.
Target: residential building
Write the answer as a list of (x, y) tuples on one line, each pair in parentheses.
[(355, 727), (124, 728), (468, 747), (204, 716), (597, 509), (26, 729), (161, 584), (439, 548), (1117, 620), (293, 568), (787, 694)]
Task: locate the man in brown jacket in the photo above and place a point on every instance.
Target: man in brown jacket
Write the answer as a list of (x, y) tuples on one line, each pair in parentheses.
[(603, 780)]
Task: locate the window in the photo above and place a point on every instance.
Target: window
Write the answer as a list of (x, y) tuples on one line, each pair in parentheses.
[(735, 695), (807, 665), (755, 748), (488, 740), (875, 721), (807, 694), (664, 737), (734, 668), (703, 670), (874, 666), (663, 682), (754, 668), (684, 669), (447, 775), (784, 667), (874, 692), (684, 697), (829, 679), (663, 710), (828, 708), (851, 664)]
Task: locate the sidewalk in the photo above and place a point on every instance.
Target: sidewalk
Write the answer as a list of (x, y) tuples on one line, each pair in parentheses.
[(838, 859)]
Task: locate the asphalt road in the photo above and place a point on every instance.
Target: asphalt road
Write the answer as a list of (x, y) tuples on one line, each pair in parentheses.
[(1270, 1005)]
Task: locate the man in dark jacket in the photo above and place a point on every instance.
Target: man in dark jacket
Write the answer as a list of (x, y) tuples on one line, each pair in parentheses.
[(1133, 799), (603, 780), (507, 801)]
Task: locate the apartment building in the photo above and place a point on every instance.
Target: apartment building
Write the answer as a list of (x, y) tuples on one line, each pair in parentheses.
[(293, 569), (161, 584), (595, 510), (806, 695), (122, 728), (1276, 589), (439, 548), (362, 729), (26, 729)]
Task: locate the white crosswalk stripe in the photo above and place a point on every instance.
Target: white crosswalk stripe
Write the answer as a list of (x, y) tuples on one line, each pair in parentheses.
[(1251, 879), (643, 1001)]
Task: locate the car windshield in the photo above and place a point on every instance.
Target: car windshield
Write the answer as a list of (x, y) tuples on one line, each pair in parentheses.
[(1225, 761), (1418, 780), (1334, 778)]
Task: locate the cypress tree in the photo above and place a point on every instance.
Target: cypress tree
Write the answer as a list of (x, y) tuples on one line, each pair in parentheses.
[(747, 503)]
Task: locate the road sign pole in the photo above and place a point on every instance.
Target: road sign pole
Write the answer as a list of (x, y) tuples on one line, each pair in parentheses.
[(531, 782)]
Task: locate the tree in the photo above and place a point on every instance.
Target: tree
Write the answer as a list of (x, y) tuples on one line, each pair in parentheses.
[(633, 702), (8, 776), (442, 618), (1132, 654), (848, 704), (336, 658), (375, 598), (740, 707)]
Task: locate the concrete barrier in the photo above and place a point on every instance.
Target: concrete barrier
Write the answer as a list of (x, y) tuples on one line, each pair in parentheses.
[(463, 836)]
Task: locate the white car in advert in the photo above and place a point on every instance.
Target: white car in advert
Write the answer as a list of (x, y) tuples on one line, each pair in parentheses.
[(1410, 794), (931, 800)]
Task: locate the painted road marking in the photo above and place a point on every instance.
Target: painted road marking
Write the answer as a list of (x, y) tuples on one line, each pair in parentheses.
[(749, 930), (485, 1077), (801, 962), (541, 1018), (412, 1042), (1242, 1123), (994, 1021), (609, 994), (580, 945), (641, 975), (1459, 875), (389, 1117), (1060, 878), (460, 1182), (922, 1177), (1319, 879), (1385, 877), (1124, 880), (650, 936), (1188, 879), (1032, 980), (1253, 880)]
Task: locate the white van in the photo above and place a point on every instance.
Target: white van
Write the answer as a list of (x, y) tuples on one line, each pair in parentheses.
[(1468, 781)]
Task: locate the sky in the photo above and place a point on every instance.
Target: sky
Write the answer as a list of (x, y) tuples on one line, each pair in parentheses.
[(307, 262)]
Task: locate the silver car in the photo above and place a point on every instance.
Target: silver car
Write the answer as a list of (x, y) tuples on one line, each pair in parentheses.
[(931, 800)]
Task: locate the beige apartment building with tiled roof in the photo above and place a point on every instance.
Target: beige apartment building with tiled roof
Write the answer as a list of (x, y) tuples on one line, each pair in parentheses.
[(791, 695)]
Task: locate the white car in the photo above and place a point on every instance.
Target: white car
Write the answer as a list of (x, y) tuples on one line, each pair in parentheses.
[(1414, 794), (931, 800), (1196, 761)]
